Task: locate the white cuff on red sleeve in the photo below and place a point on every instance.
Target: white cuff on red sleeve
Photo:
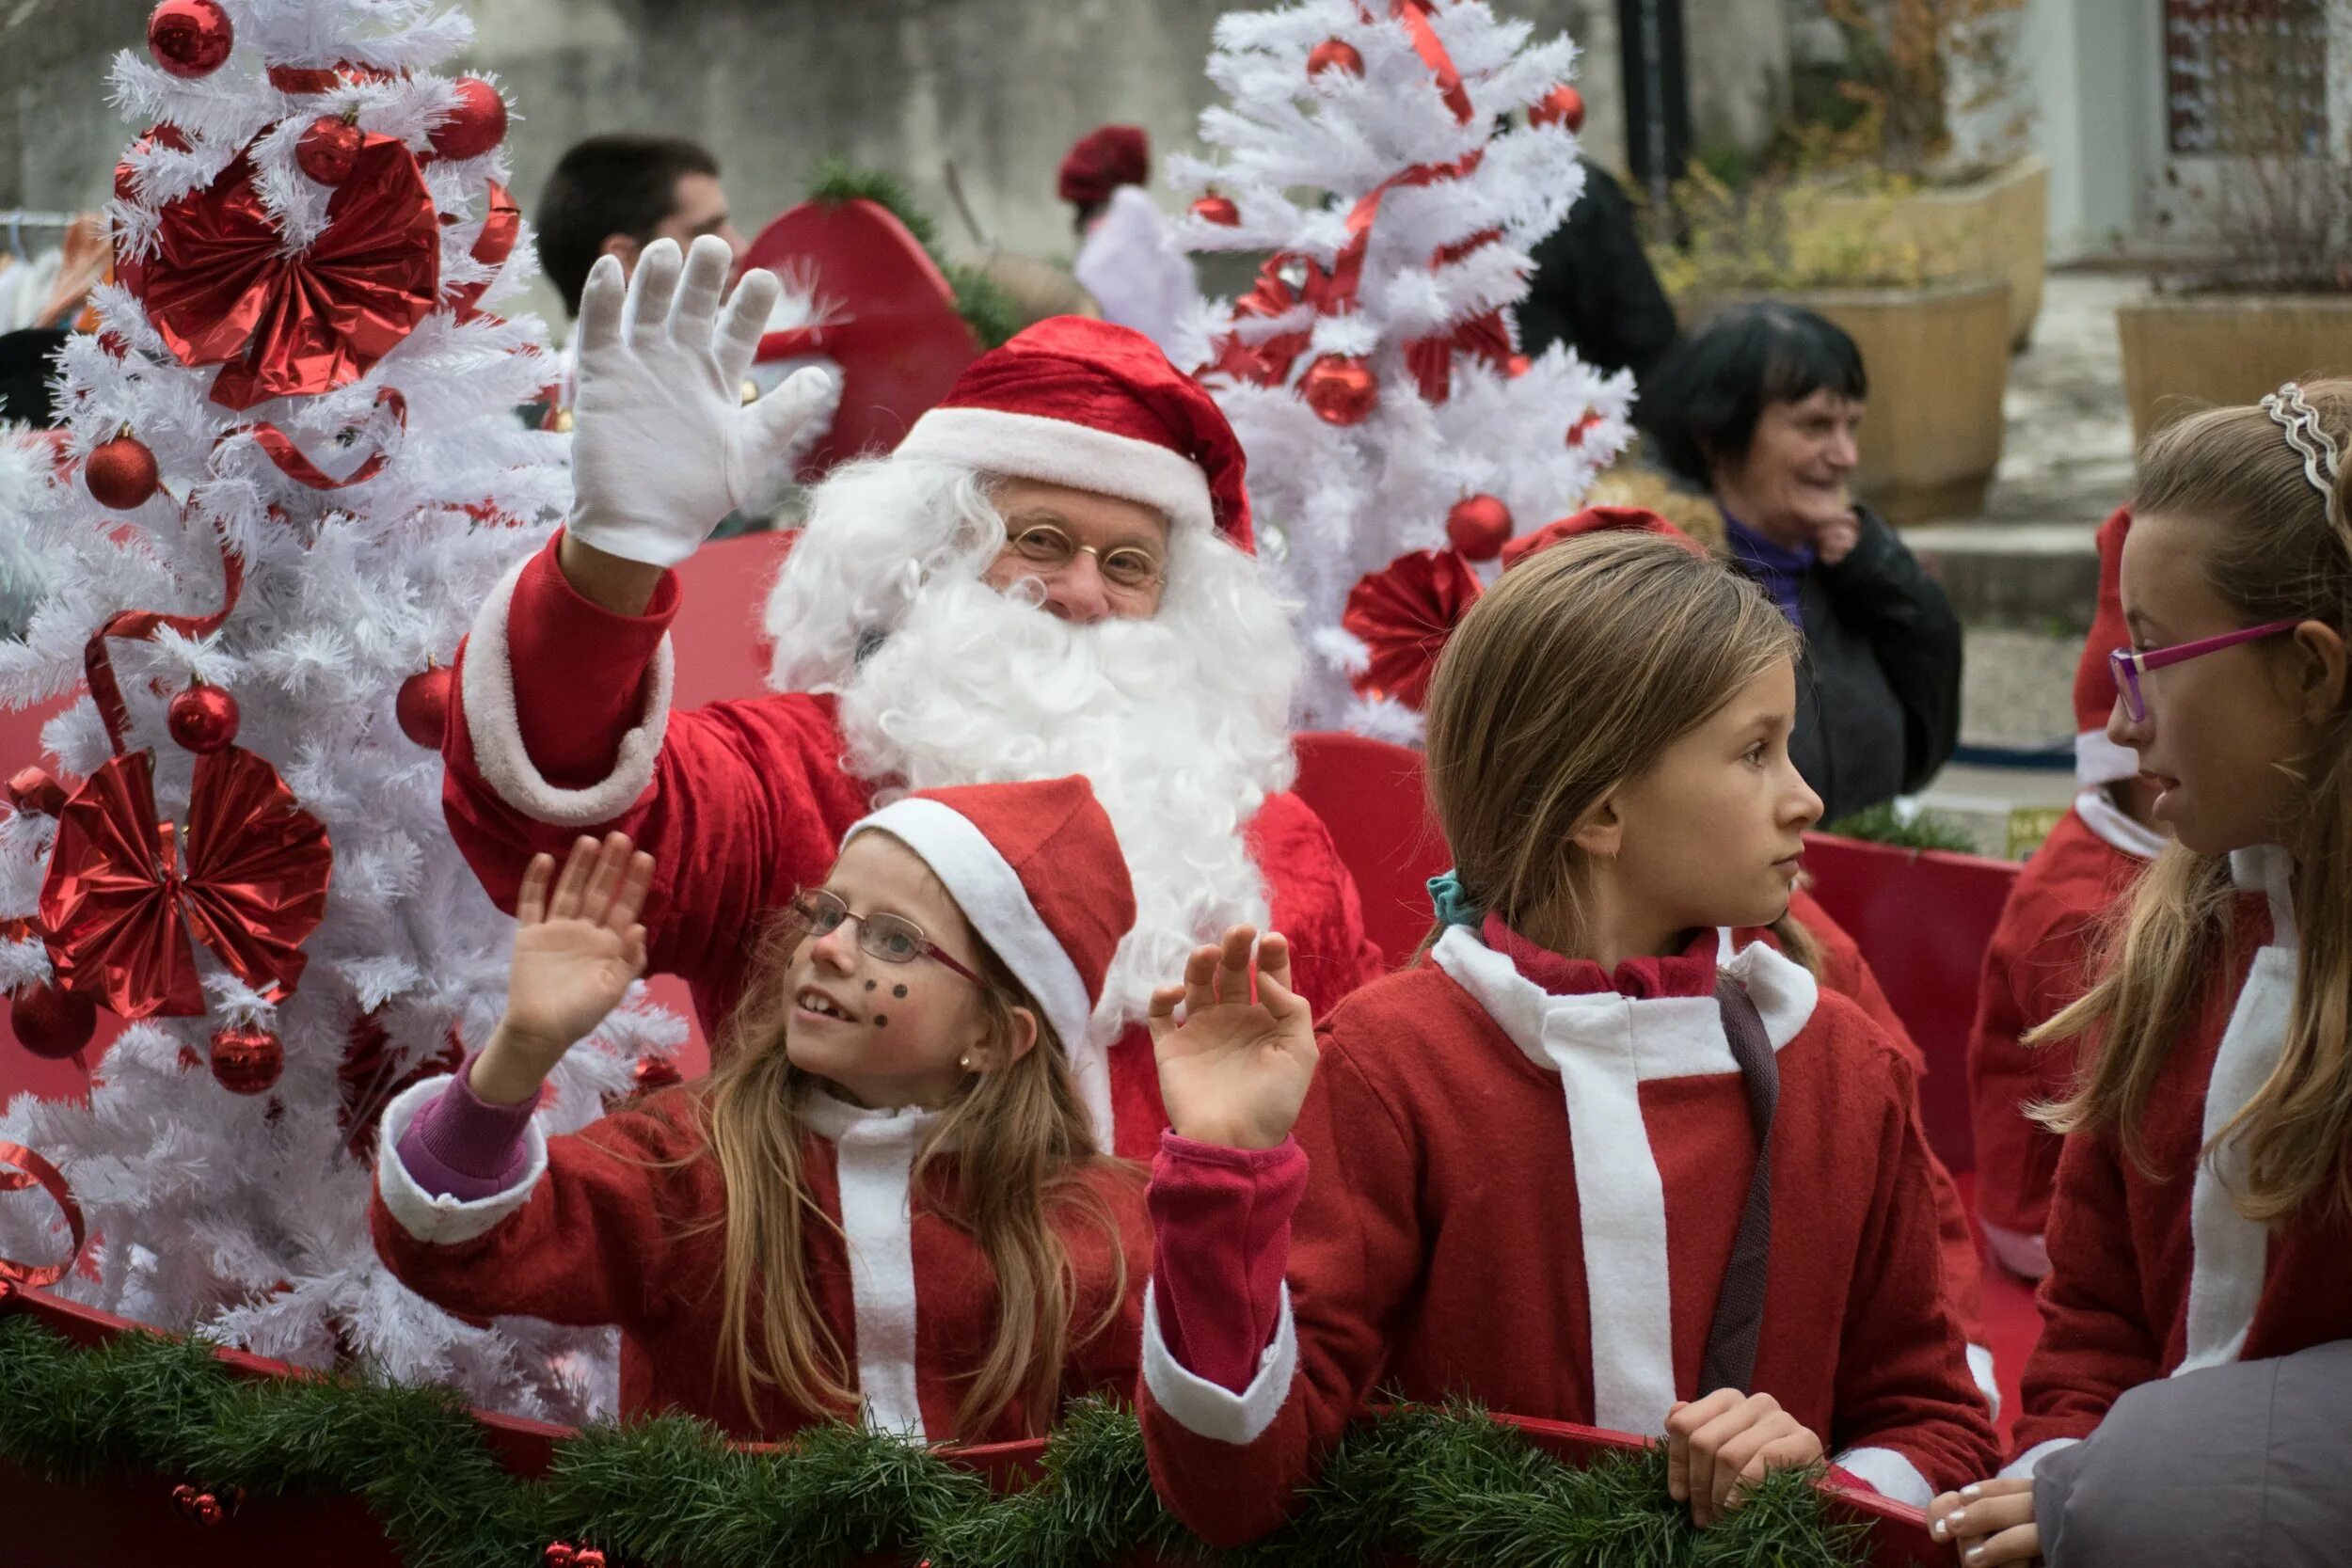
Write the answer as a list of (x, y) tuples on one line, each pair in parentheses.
[(1209, 1409), (2024, 1464), (487, 699), (443, 1218), (1890, 1475), (1988, 1384)]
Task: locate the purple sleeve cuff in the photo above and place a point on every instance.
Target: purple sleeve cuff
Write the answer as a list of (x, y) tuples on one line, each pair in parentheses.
[(463, 1146)]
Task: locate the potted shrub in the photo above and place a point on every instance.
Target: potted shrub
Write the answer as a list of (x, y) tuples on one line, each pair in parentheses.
[(2276, 303), (1937, 346)]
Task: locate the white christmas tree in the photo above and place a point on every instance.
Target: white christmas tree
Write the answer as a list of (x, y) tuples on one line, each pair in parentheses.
[(301, 404), (1372, 374)]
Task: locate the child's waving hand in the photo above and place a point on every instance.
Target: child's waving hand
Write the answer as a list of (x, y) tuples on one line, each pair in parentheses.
[(577, 947), (1235, 1072)]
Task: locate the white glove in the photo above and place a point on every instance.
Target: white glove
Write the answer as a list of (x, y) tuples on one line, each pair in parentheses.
[(663, 445)]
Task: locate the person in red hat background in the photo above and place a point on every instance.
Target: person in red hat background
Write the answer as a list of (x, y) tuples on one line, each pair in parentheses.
[(900, 1069), (2040, 958), (1128, 258), (1053, 574)]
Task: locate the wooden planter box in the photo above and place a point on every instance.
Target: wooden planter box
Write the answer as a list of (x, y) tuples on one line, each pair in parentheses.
[(2182, 352), (1999, 226), (1938, 363)]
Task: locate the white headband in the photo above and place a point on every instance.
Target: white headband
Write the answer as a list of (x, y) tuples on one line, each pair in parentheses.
[(2312, 443)]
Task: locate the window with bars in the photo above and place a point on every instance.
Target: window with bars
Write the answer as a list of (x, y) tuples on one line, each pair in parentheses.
[(2247, 77)]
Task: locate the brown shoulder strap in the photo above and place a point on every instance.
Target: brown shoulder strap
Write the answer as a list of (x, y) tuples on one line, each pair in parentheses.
[(1731, 1338)]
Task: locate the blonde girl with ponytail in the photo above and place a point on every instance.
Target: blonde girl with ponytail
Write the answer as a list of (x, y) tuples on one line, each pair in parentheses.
[(2203, 1207), (886, 1204)]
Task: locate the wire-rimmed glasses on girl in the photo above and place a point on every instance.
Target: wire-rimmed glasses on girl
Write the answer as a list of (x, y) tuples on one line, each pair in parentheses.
[(2128, 666), (888, 937)]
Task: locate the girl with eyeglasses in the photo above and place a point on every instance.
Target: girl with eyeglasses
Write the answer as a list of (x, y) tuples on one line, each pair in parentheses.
[(885, 1203), (2203, 1208)]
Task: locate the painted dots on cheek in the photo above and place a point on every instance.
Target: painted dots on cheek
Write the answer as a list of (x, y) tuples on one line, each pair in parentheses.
[(881, 1021), (870, 984), (898, 991)]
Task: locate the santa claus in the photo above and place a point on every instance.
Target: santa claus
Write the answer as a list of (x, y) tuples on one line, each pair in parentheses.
[(1053, 574)]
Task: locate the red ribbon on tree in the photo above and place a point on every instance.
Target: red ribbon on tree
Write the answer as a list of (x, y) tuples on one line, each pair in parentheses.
[(31, 1170), (1402, 615), (222, 290), (502, 225), (1415, 14), (295, 464), (299, 78)]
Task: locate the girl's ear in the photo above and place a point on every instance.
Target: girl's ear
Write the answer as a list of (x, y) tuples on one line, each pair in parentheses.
[(2323, 671), (989, 1054), (1601, 833)]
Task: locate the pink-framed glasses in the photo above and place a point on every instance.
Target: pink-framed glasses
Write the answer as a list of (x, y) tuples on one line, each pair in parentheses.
[(887, 937), (2128, 666)]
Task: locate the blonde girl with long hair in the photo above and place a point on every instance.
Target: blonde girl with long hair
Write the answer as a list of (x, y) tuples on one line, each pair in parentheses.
[(886, 1204), (1572, 1165), (2203, 1207)]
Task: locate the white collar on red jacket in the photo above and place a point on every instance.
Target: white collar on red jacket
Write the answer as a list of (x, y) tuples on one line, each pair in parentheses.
[(2102, 818), (874, 1152), (1603, 1046), (2230, 1252)]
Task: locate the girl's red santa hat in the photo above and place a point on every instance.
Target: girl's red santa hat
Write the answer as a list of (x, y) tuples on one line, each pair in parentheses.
[(1097, 407), (1038, 871), (1103, 160), (2097, 759), (1595, 519)]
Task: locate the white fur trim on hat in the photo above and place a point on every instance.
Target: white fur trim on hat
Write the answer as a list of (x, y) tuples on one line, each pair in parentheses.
[(486, 702), (988, 890), (2106, 819), (1209, 1409), (2099, 760), (1060, 452), (443, 1218)]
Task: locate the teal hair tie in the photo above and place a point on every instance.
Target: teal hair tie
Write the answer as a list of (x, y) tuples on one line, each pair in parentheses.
[(1452, 906)]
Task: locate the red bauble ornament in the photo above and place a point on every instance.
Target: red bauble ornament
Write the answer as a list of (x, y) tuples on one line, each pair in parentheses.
[(247, 1060), (422, 706), (33, 789), (122, 473), (478, 125), (1562, 105), (50, 1022), (654, 1072), (204, 718), (1341, 389), (329, 149), (190, 37), (1218, 210), (1478, 527), (1335, 55)]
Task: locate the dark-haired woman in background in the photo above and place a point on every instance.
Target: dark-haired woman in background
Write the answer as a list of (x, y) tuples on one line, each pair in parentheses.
[(1760, 408)]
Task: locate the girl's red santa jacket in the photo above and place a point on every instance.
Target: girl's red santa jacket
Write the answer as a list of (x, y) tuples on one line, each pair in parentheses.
[(1527, 1194), (2155, 1271), (564, 724), (620, 1223)]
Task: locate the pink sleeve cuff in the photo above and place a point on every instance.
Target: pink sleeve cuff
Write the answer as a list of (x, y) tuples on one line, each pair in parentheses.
[(578, 669), (1221, 1235), (463, 1146)]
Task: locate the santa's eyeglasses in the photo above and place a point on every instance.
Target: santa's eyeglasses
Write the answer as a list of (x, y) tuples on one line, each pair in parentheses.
[(1126, 567)]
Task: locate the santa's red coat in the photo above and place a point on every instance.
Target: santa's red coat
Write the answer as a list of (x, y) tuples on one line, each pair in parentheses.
[(2038, 963), (2154, 1271), (564, 727), (1454, 1240), (620, 1223)]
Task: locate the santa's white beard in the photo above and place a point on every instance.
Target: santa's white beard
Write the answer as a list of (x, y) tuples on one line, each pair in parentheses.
[(1179, 722)]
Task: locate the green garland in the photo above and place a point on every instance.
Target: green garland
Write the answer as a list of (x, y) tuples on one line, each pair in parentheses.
[(1443, 1486), (980, 300)]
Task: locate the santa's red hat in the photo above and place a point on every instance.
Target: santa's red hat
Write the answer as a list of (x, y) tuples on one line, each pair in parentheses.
[(1594, 519), (1096, 407), (2097, 759), (1103, 160), (1037, 869)]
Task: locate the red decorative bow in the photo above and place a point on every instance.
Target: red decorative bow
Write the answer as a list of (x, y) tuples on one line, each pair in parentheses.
[(31, 1170), (222, 290), (502, 225), (118, 913), (1403, 613)]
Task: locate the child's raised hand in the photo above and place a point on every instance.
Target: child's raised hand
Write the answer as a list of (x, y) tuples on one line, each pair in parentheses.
[(1988, 1523), (577, 947), (1235, 1072), (1718, 1447)]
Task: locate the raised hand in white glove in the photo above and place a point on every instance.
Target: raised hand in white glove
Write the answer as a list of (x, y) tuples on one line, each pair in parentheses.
[(663, 445)]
